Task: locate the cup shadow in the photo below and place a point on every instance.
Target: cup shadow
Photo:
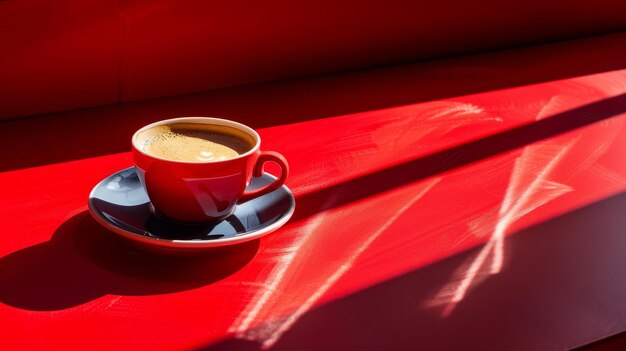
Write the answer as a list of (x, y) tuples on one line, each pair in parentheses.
[(84, 261)]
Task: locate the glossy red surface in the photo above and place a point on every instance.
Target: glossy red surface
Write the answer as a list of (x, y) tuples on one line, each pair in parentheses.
[(469, 201), (65, 54)]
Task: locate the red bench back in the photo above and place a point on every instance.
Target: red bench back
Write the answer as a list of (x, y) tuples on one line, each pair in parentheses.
[(65, 54)]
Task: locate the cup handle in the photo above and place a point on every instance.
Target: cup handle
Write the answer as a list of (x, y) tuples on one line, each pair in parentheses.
[(258, 172)]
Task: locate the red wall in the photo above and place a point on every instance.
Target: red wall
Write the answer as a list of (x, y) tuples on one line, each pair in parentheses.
[(66, 54)]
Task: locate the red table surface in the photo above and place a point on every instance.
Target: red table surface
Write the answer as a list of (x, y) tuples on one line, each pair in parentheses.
[(474, 202)]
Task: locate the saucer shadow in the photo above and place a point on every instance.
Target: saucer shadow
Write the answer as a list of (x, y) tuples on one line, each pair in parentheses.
[(84, 261)]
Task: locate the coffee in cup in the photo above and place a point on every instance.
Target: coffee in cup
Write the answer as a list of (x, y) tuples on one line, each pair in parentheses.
[(196, 169), (195, 142)]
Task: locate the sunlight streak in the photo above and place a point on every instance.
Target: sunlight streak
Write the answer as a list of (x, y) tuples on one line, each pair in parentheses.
[(111, 303), (431, 120), (331, 280), (277, 275), (514, 206), (458, 109)]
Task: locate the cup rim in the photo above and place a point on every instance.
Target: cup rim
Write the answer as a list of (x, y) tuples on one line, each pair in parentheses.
[(200, 120)]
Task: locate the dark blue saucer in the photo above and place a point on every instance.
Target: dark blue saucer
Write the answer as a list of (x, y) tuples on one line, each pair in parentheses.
[(120, 203)]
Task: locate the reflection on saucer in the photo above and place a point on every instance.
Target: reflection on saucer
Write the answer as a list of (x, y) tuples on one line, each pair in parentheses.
[(121, 204)]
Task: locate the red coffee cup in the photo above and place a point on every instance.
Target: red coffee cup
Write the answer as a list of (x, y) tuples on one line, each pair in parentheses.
[(203, 191)]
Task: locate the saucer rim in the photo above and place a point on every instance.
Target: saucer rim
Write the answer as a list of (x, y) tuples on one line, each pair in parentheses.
[(189, 244)]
